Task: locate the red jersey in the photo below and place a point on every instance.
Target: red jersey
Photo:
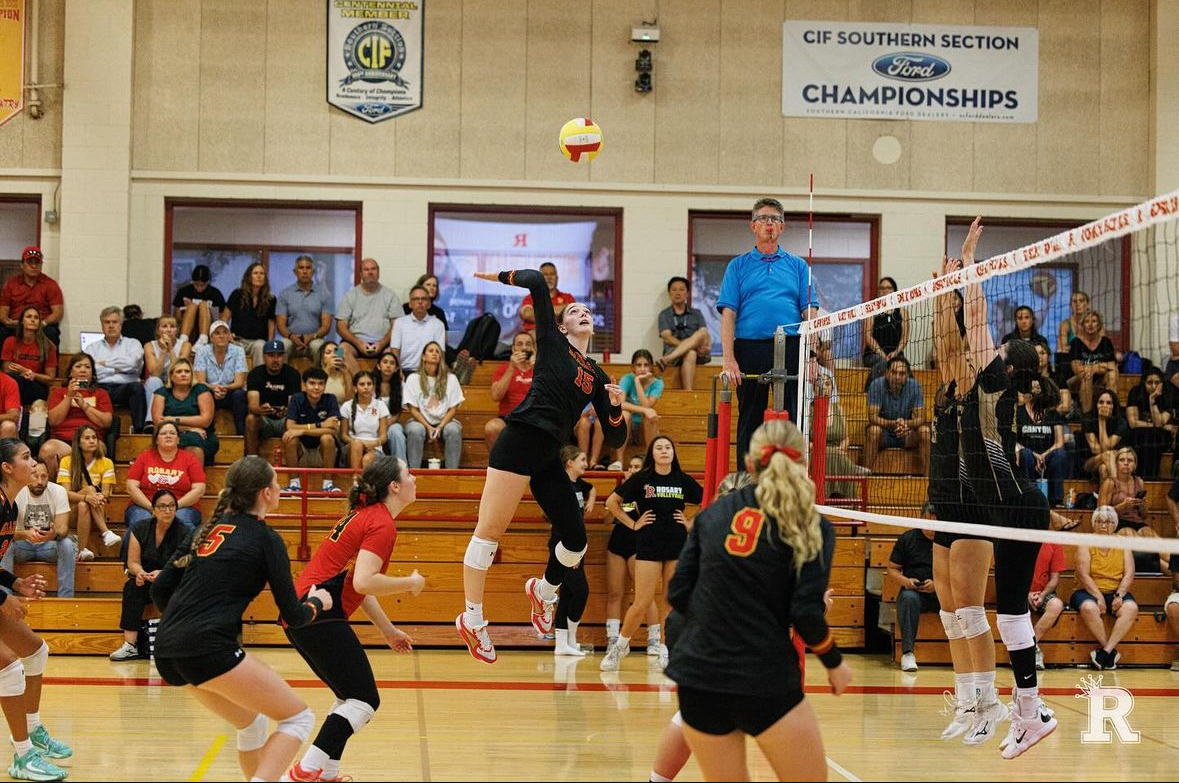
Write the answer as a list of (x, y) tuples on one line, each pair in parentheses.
[(371, 528), (75, 417), (559, 299), (517, 388), (44, 294), (28, 355), (1049, 561)]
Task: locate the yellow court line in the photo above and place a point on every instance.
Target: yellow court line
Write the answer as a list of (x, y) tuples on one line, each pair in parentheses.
[(198, 774)]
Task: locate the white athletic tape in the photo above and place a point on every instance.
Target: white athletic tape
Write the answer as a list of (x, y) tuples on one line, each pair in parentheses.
[(1160, 545), (1155, 210)]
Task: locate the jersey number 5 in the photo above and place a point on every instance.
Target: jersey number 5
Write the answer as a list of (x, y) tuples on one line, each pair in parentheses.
[(746, 527), (584, 380), (215, 539)]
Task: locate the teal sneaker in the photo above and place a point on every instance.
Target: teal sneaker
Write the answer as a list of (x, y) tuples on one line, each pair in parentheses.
[(49, 747), (34, 766)]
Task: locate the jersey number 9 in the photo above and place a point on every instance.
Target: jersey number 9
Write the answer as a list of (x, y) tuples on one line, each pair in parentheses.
[(746, 532)]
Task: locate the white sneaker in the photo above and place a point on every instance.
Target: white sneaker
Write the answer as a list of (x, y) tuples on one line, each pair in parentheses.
[(1039, 658), (986, 720), (85, 554), (909, 662), (328, 486), (615, 465), (111, 539), (562, 646), (614, 656), (542, 610), (294, 486), (655, 649), (126, 652), (963, 715), (1027, 731)]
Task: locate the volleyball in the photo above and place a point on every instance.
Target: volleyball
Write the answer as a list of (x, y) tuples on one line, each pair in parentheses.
[(1043, 284), (580, 137)]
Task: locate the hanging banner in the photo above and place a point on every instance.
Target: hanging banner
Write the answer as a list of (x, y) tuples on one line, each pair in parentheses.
[(910, 72), (374, 57), (12, 58)]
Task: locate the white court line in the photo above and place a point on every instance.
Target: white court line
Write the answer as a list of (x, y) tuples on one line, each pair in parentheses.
[(847, 775)]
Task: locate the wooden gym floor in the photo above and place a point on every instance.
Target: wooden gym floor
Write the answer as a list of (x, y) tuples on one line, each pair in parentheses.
[(445, 717)]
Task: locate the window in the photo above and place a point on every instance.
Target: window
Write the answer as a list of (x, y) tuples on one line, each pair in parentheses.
[(584, 244), (843, 268), (20, 226)]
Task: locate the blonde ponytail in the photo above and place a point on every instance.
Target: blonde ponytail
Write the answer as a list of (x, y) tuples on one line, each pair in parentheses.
[(784, 490)]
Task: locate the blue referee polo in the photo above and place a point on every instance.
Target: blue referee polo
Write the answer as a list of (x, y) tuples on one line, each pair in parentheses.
[(766, 291)]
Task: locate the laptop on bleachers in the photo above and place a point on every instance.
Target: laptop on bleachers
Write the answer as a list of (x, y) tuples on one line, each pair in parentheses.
[(87, 339)]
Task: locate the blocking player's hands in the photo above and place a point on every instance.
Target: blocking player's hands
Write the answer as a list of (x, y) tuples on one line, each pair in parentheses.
[(840, 677), (399, 641), (970, 244)]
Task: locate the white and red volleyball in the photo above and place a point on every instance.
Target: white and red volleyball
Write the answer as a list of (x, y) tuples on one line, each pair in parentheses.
[(580, 139)]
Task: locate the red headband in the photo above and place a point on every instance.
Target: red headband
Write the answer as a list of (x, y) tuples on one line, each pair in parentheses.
[(768, 451)]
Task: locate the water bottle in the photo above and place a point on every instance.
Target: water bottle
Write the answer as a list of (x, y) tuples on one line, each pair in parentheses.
[(1043, 485), (1071, 502)]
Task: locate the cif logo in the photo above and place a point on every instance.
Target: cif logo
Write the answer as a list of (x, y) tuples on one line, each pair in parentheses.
[(911, 67), (374, 52)]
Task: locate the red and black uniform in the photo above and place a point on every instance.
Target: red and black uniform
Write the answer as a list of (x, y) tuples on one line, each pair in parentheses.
[(950, 492), (738, 593), (8, 515), (202, 605), (564, 380), (328, 643)]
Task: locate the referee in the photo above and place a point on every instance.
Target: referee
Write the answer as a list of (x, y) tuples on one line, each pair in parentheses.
[(762, 289)]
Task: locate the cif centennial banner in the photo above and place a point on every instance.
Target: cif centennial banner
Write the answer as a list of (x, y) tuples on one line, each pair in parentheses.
[(374, 57), (910, 72), (12, 58)]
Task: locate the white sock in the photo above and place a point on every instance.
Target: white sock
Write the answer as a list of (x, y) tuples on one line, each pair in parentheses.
[(572, 632), (331, 769), (964, 687), (613, 625), (33, 720), (546, 590), (657, 778), (295, 483), (314, 759), (623, 641), (653, 634), (22, 746), (474, 615), (984, 683), (561, 638)]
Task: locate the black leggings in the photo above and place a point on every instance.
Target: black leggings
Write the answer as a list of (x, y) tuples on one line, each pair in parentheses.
[(556, 497), (336, 656), (1015, 561)]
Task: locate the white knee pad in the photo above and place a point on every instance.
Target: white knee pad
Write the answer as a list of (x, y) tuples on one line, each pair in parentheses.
[(356, 712), (1016, 631), (254, 736), (12, 679), (480, 553), (298, 725), (678, 719), (35, 663), (952, 626), (973, 620), (568, 558), (336, 704)]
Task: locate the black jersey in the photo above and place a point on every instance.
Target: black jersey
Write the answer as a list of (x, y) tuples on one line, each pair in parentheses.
[(987, 442), (8, 515), (739, 594), (564, 379), (202, 604)]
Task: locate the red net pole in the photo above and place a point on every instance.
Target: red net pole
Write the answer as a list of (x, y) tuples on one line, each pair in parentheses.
[(723, 423), (819, 446)]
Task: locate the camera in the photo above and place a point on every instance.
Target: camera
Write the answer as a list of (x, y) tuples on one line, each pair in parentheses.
[(85, 384), (527, 356)]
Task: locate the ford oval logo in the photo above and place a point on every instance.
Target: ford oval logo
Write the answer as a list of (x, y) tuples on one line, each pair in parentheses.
[(911, 67)]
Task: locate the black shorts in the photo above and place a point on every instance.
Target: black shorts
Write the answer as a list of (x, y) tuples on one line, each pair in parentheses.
[(198, 669), (523, 449), (723, 713), (622, 541), (660, 542), (953, 511)]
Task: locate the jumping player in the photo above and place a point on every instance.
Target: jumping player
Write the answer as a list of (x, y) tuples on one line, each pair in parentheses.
[(203, 592), (350, 564), (527, 453)]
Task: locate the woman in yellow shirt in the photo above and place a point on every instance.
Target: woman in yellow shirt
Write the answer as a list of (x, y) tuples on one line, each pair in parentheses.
[(88, 476), (1104, 577)]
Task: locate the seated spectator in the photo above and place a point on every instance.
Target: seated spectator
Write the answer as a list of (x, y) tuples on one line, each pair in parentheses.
[(430, 283), (1065, 406), (30, 287), (43, 530), (411, 333), (1025, 328), (79, 401), (432, 395), (388, 388), (889, 335), (159, 354), (30, 358), (686, 341), (1104, 577), (1071, 327), (221, 366), (1149, 414), (896, 414), (1039, 435), (1126, 492), (269, 388), (165, 466), (189, 406), (821, 381), (303, 312), (1094, 362), (511, 383), (150, 545), (364, 422), (118, 365), (911, 566), (1042, 596), (250, 312), (197, 305), (559, 299), (364, 319), (136, 326), (88, 476), (313, 419), (1105, 431), (642, 389), (588, 436), (331, 361)]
